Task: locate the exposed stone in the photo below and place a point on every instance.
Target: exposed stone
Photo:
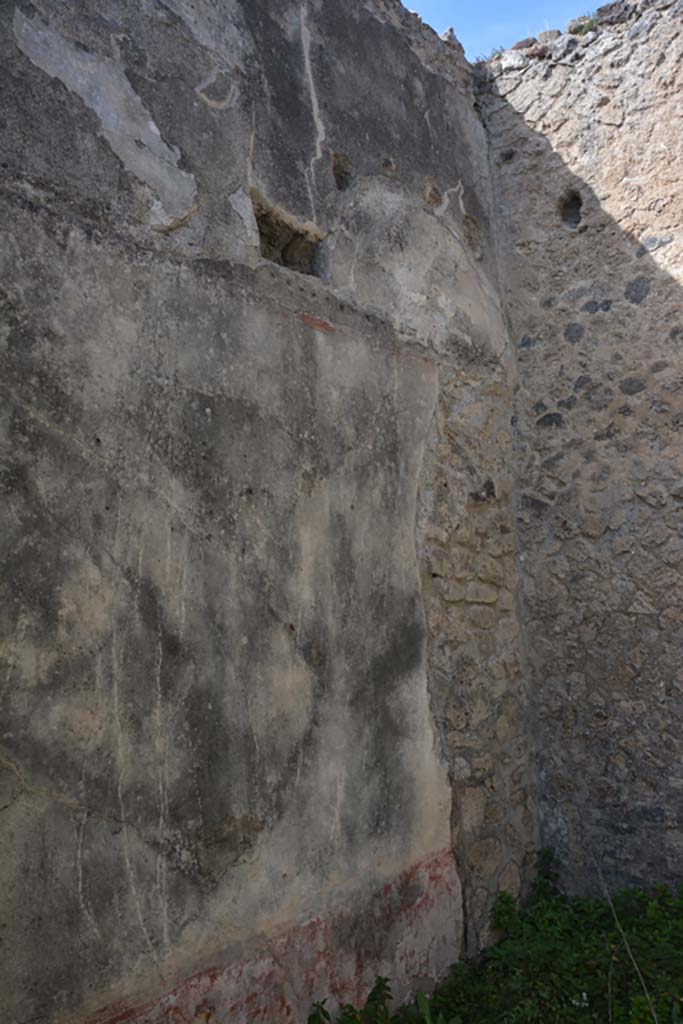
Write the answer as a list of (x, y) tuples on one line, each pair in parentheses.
[(549, 35), (511, 879), (481, 593), (574, 333), (594, 306), (593, 526), (637, 290), (612, 113), (525, 44), (484, 857), (563, 47), (632, 386), (472, 804), (654, 494), (615, 13), (652, 243), (513, 60)]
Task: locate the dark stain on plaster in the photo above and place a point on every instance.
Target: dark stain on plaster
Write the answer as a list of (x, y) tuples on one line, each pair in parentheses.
[(379, 710), (398, 660), (226, 843)]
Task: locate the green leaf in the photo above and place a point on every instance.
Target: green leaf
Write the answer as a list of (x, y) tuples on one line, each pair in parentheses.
[(319, 1015), (423, 1005)]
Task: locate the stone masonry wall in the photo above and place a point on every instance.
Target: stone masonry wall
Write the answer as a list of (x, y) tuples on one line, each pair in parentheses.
[(478, 686), (265, 725), (587, 146)]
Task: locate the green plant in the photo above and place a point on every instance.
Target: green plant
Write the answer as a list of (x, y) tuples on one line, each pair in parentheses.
[(617, 960), (486, 59), (425, 1011), (375, 1011), (319, 1015), (585, 24)]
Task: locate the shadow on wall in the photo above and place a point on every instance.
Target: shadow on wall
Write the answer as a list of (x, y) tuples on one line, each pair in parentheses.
[(597, 322)]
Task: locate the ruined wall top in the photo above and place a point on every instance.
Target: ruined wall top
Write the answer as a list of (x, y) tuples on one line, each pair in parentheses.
[(593, 36)]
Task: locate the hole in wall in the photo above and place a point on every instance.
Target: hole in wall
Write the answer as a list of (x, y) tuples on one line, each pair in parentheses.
[(283, 239), (342, 171), (487, 492), (570, 208)]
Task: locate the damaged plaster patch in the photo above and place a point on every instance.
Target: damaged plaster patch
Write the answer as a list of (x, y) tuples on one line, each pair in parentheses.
[(243, 207), (126, 123)]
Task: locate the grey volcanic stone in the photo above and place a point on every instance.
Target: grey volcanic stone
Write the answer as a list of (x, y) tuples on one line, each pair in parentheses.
[(574, 332), (564, 46), (538, 52), (653, 242), (513, 60), (525, 44), (615, 13), (637, 290), (632, 386)]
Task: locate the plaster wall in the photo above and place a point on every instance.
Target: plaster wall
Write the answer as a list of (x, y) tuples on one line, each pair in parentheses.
[(239, 764)]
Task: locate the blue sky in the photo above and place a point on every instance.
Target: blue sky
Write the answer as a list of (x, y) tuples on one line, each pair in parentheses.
[(480, 25)]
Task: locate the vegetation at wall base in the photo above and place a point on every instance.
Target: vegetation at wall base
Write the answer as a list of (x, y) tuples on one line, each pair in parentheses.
[(560, 961)]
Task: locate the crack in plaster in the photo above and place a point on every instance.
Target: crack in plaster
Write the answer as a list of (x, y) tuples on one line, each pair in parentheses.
[(320, 130)]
